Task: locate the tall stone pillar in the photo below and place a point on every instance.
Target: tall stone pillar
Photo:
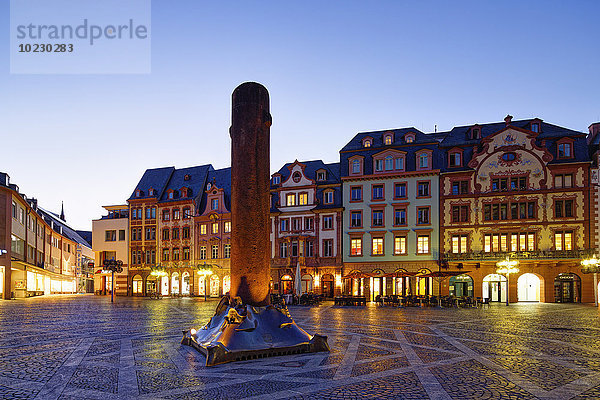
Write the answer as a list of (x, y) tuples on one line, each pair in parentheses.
[(250, 191)]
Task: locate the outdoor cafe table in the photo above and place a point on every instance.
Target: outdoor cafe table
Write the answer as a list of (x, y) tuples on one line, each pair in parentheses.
[(350, 301)]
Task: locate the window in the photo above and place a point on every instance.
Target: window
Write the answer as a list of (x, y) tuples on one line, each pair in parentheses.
[(520, 241), (150, 212), (563, 181), (166, 215), (121, 234), (535, 127), (378, 165), (151, 233), (170, 195), (328, 222), (176, 214), (215, 228), (422, 215), (356, 166), (377, 192), (276, 180), (400, 245), (214, 204), (422, 244), (150, 257), (409, 138), (460, 187), (165, 255), (518, 183), (400, 190), (389, 163), (500, 184), (203, 229), (227, 251), (328, 248), (459, 243), (460, 213), (521, 210), (356, 193), (509, 156), (203, 252), (563, 208), (110, 236), (328, 197), (563, 240), (309, 223), (186, 253), (303, 199), (564, 150), (356, 247), (283, 250), (284, 225), (309, 249), (185, 232), (215, 251), (165, 234), (423, 189), (294, 249), (475, 133), (227, 226), (377, 246), (14, 210), (21, 216), (423, 161), (388, 140), (356, 219), (377, 218), (296, 224), (455, 159), (400, 216), (400, 163), (321, 175), (290, 199), (367, 143), (175, 233)]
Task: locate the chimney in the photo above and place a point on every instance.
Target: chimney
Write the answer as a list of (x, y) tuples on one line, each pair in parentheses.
[(594, 128), (508, 119)]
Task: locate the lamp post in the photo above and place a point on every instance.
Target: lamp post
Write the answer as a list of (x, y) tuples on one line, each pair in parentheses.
[(507, 267), (592, 265), (205, 272)]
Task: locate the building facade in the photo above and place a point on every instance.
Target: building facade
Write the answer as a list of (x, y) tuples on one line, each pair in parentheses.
[(306, 227), (38, 250), (517, 191), (110, 241), (390, 183)]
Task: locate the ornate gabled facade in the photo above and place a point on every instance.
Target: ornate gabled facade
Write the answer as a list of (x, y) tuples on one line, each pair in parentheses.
[(390, 199), (213, 233), (306, 227), (518, 190)]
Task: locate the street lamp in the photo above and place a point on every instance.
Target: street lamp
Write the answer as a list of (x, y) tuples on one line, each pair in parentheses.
[(113, 266), (507, 267), (592, 265), (205, 273)]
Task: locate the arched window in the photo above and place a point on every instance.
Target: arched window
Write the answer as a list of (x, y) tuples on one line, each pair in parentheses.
[(423, 161), (388, 140), (356, 166), (367, 143), (389, 163)]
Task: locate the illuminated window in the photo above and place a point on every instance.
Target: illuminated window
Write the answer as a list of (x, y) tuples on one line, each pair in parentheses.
[(227, 227), (215, 251), (290, 199), (377, 246), (356, 247), (459, 244), (302, 199), (563, 240), (215, 227), (388, 140), (203, 252), (423, 244), (400, 245), (203, 229), (227, 251), (367, 143)]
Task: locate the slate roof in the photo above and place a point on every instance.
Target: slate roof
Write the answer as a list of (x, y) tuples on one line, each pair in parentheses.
[(67, 231), (420, 138), (196, 182), (221, 178), (155, 178)]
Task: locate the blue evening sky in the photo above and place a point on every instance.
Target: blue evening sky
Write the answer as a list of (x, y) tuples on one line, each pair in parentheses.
[(333, 69)]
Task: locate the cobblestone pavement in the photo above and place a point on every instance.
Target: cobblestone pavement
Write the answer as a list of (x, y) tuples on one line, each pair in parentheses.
[(82, 347)]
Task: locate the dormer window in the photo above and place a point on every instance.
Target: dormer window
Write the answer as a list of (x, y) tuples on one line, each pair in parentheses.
[(423, 161), (535, 127), (379, 165), (409, 138), (151, 192), (455, 158), (400, 163), (187, 177), (170, 195), (276, 180), (388, 139), (321, 175), (328, 197), (138, 193), (214, 204), (367, 142), (475, 133), (296, 177), (355, 165), (565, 150)]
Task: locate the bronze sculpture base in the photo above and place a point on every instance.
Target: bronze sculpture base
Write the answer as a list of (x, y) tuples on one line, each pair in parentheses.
[(242, 332)]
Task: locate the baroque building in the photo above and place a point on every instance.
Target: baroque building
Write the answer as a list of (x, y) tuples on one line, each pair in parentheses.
[(306, 228), (516, 190)]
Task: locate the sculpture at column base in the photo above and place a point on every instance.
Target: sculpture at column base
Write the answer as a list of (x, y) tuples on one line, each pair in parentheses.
[(241, 332)]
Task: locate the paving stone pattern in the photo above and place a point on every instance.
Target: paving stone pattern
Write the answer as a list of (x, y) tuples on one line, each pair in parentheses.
[(84, 347)]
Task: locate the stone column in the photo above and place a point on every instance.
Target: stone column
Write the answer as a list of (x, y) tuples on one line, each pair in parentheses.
[(250, 191)]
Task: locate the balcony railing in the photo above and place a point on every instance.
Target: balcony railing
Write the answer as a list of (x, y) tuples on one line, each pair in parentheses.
[(519, 255)]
